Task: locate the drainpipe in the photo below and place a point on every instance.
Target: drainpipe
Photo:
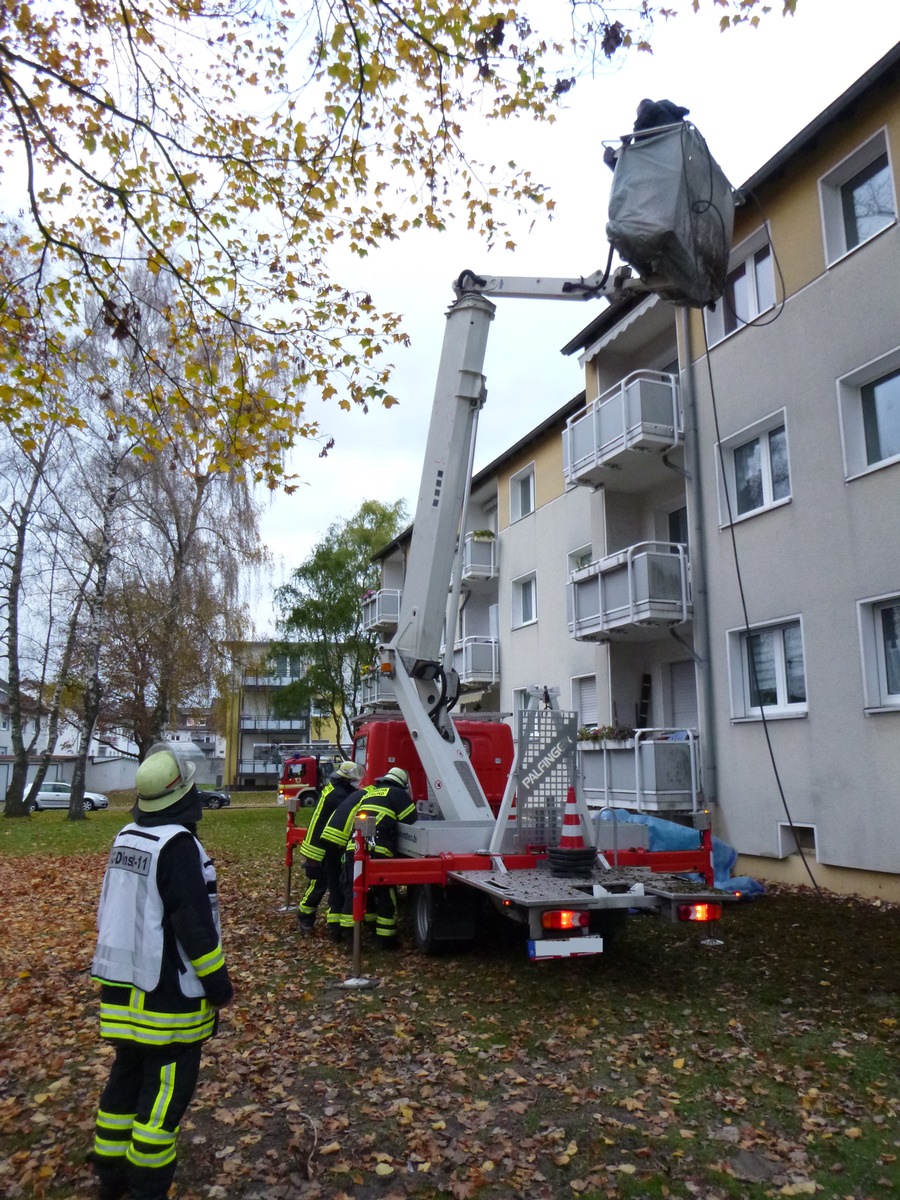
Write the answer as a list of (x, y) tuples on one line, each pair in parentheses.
[(699, 590)]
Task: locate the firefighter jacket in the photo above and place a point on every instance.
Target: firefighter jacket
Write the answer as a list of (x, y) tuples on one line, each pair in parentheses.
[(338, 829), (391, 806), (334, 792), (159, 954)]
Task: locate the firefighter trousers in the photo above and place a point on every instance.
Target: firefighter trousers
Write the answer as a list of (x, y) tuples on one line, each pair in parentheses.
[(381, 904), (311, 899), (146, 1095)]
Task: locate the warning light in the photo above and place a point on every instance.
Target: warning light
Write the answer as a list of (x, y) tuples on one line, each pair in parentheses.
[(564, 918), (699, 912)]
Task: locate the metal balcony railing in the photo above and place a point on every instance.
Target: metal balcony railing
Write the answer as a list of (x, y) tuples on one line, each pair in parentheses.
[(637, 589), (381, 610), (479, 558), (477, 661), (376, 689), (609, 441)]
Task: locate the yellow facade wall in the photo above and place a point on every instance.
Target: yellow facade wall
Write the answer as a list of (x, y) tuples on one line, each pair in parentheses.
[(548, 474)]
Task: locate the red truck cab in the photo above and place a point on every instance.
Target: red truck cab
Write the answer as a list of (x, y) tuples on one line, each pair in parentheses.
[(381, 742), (301, 776)]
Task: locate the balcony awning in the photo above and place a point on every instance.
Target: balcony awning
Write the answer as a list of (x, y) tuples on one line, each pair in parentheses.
[(608, 338)]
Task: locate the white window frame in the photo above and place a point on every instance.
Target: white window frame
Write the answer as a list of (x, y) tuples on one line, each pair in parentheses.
[(580, 558), (725, 472), (742, 256), (850, 413), (877, 698), (742, 708), (518, 585), (831, 187), (517, 511)]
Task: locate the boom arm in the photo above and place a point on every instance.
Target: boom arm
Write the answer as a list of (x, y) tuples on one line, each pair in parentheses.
[(424, 691)]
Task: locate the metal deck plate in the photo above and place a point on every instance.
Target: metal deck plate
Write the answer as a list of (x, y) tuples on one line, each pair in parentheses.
[(541, 886)]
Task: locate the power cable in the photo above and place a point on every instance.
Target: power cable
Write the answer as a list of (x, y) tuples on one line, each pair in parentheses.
[(747, 628)]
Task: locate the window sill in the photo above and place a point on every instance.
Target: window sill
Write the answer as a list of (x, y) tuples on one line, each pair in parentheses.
[(776, 714), (756, 512), (870, 467), (839, 258), (878, 709)]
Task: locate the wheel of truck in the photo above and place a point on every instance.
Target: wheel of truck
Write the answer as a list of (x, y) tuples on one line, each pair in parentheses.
[(423, 917), (442, 918)]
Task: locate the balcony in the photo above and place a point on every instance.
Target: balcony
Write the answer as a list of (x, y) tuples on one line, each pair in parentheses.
[(631, 593), (619, 439), (477, 661), (376, 689), (479, 559), (658, 771), (381, 611), (271, 724)]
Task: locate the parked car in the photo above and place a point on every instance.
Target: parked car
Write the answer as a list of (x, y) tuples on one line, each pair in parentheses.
[(58, 795), (210, 798)]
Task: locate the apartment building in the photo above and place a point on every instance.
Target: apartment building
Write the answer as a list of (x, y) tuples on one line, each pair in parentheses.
[(704, 547), (256, 736)]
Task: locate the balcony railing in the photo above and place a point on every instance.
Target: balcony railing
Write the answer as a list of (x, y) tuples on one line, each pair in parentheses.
[(381, 610), (477, 661), (638, 589), (376, 689), (609, 441), (657, 771), (263, 722), (479, 558)]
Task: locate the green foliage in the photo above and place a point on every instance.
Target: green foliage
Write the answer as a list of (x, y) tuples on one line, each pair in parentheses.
[(321, 612)]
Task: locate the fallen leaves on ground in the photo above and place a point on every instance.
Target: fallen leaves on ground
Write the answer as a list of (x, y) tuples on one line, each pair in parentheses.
[(660, 1069)]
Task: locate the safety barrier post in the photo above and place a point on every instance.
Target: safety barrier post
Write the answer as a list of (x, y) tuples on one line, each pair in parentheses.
[(364, 828), (294, 835)]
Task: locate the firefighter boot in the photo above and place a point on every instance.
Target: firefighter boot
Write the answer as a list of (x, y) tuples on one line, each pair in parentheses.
[(111, 1178)]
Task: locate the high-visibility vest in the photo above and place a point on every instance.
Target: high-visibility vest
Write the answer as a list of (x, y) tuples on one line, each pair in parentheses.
[(130, 917), (310, 847)]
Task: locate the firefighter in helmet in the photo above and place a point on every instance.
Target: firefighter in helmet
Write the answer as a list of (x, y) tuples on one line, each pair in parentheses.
[(342, 781), (163, 977), (389, 800)]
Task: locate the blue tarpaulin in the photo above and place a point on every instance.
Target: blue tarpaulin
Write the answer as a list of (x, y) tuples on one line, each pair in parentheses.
[(668, 835)]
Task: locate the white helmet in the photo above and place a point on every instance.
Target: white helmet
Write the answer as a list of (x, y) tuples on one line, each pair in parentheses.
[(162, 778), (349, 770), (396, 776)]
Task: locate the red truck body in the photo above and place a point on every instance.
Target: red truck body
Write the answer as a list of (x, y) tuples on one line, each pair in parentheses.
[(380, 743)]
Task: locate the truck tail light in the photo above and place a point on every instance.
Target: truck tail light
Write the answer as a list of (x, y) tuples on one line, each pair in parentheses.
[(699, 912), (565, 918)]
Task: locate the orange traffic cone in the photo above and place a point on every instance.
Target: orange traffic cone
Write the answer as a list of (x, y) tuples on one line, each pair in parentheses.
[(572, 837)]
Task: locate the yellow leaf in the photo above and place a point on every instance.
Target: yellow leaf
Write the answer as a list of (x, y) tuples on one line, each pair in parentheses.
[(678, 1064), (853, 1132), (384, 1168), (331, 1148), (626, 1168), (487, 1166)]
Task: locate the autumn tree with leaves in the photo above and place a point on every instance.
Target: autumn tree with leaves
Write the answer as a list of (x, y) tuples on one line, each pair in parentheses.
[(320, 614), (229, 147)]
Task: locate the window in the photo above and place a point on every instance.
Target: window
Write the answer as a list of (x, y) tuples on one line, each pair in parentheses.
[(521, 494), (879, 627), (579, 559), (754, 462), (749, 288), (857, 198), (768, 674), (584, 699), (869, 402), (524, 606)]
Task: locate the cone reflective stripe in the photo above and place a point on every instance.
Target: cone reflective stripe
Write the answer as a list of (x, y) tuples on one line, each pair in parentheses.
[(572, 837), (359, 891)]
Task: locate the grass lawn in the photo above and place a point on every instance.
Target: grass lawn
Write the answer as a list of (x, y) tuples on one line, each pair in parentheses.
[(764, 1067)]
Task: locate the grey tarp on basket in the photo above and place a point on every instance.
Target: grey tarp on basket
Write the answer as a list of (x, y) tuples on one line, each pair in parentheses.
[(671, 213)]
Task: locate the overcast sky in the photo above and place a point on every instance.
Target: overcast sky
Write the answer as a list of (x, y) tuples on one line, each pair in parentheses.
[(749, 91)]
